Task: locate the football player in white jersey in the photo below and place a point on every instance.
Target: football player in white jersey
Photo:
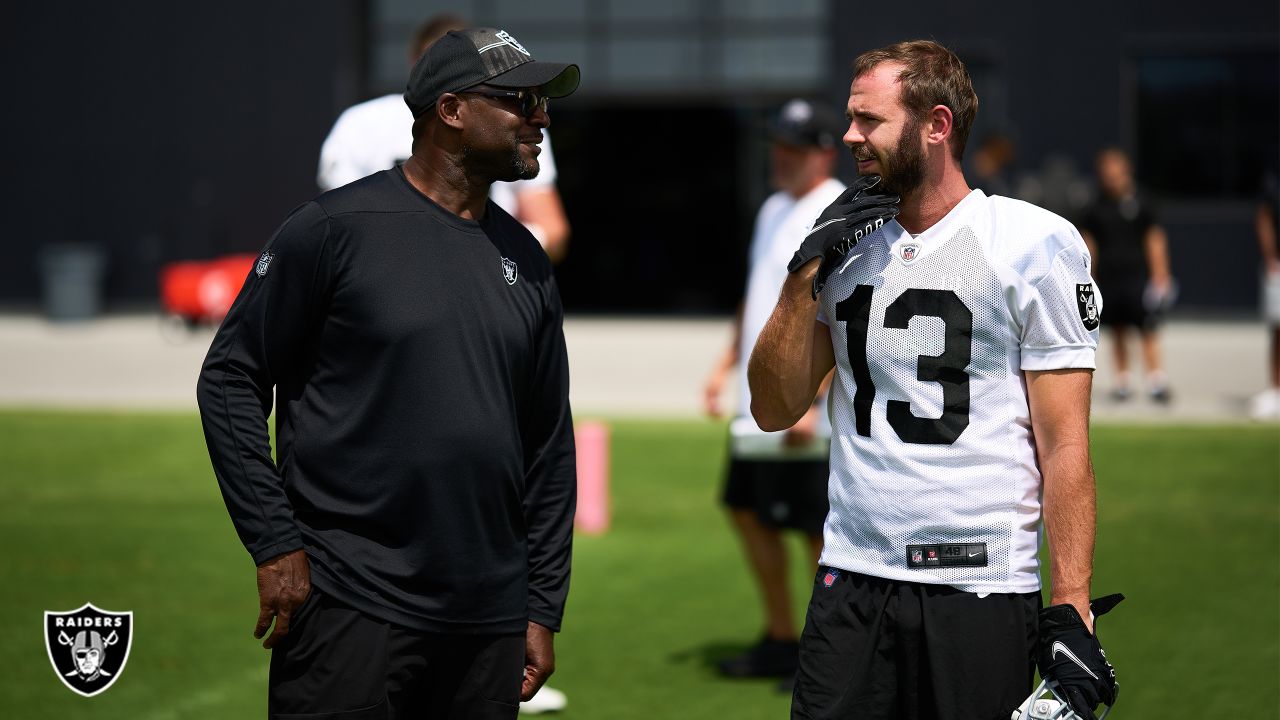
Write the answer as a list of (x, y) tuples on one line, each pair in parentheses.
[(963, 335), (377, 134)]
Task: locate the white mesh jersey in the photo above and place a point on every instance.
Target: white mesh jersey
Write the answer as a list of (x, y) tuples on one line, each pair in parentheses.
[(932, 441)]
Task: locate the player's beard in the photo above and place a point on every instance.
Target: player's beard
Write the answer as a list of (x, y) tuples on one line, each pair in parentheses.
[(902, 168)]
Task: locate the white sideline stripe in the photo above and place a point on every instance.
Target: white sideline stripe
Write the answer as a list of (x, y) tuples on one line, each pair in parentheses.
[(209, 697)]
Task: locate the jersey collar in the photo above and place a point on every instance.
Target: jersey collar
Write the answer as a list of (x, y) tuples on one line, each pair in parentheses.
[(941, 231)]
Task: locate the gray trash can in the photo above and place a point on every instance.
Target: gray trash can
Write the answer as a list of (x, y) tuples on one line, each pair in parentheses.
[(72, 274)]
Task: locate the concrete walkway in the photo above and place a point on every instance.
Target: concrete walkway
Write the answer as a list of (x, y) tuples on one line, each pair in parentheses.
[(619, 366)]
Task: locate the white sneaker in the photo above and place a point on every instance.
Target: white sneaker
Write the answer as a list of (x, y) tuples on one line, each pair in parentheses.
[(547, 699), (1265, 405)]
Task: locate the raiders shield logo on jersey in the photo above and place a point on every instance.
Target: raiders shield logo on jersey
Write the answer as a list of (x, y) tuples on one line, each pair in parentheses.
[(88, 647), (1088, 306), (509, 271)]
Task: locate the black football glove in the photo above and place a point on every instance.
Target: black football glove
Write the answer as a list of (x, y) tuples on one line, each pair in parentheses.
[(853, 215), (1067, 653)]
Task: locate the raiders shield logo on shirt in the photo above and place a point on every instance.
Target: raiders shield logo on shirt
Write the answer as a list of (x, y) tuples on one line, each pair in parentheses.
[(88, 647), (509, 271), (1088, 306)]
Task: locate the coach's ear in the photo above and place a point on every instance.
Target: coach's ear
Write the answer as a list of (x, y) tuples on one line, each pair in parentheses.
[(940, 125), (449, 110)]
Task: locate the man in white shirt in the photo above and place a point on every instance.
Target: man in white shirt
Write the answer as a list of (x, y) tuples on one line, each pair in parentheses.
[(963, 336), (777, 481), (377, 134)]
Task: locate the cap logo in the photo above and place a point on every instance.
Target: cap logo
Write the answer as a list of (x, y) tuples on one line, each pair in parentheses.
[(504, 38), (797, 111)]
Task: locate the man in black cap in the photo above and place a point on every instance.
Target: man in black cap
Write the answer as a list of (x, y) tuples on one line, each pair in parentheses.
[(778, 481), (413, 540)]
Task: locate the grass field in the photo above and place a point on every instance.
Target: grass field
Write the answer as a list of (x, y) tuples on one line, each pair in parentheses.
[(122, 510)]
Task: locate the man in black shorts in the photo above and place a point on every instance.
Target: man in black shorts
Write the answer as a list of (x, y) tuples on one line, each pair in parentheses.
[(778, 481), (962, 328), (1131, 263), (413, 539)]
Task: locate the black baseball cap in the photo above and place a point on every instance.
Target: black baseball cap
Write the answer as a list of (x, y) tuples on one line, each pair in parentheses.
[(806, 124), (465, 58)]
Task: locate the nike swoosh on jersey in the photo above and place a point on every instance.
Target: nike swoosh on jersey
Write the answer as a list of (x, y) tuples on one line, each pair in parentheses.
[(816, 229), (850, 260), (1058, 647)]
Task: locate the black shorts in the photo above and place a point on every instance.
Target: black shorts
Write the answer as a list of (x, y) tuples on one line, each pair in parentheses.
[(340, 664), (788, 494), (875, 648), (1123, 306)]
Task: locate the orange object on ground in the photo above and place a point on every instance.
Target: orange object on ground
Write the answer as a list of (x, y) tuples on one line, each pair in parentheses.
[(203, 290)]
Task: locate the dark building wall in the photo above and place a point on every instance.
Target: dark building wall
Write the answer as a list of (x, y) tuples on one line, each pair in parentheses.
[(165, 131), (1061, 81)]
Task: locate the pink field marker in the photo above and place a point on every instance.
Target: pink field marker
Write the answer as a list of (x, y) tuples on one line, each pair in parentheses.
[(592, 439)]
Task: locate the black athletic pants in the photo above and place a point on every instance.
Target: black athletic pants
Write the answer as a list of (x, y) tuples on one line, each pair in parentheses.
[(337, 663), (875, 648)]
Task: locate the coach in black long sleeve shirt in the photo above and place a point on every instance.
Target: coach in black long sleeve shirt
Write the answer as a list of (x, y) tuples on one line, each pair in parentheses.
[(412, 334)]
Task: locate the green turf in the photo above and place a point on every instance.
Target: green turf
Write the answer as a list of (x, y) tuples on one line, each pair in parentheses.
[(122, 510)]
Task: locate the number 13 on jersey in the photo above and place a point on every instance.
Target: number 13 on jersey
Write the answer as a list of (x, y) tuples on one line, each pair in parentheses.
[(948, 369)]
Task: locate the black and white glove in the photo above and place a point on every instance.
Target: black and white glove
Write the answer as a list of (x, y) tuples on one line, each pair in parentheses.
[(1067, 653), (854, 215)]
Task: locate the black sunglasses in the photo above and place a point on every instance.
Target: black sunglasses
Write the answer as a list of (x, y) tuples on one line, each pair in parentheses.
[(530, 100)]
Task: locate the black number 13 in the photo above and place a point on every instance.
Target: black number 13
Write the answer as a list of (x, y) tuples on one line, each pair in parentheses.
[(947, 369)]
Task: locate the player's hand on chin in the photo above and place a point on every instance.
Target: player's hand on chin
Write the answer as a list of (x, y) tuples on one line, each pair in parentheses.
[(284, 582), (539, 659)]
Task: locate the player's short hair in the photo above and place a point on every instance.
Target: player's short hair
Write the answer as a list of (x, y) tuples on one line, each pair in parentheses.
[(931, 75), (432, 30)]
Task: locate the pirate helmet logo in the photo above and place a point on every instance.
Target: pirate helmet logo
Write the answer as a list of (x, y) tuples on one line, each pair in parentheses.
[(1088, 305), (88, 647), (509, 271)]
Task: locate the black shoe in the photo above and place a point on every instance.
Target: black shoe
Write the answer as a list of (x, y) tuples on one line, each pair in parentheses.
[(1162, 395), (767, 658)]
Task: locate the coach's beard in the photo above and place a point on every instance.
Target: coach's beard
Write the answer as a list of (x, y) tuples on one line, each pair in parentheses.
[(504, 167), (524, 170)]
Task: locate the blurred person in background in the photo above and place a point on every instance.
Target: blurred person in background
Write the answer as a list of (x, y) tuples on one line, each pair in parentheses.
[(777, 481), (1131, 263), (1266, 404), (990, 163), (413, 541), (375, 135), (963, 329)]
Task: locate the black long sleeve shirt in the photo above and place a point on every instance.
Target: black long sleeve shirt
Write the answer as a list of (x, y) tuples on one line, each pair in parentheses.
[(424, 437)]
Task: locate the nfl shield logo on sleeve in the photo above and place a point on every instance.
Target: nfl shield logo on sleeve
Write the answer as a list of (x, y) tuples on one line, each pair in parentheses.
[(88, 647), (264, 262), (1088, 306)]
